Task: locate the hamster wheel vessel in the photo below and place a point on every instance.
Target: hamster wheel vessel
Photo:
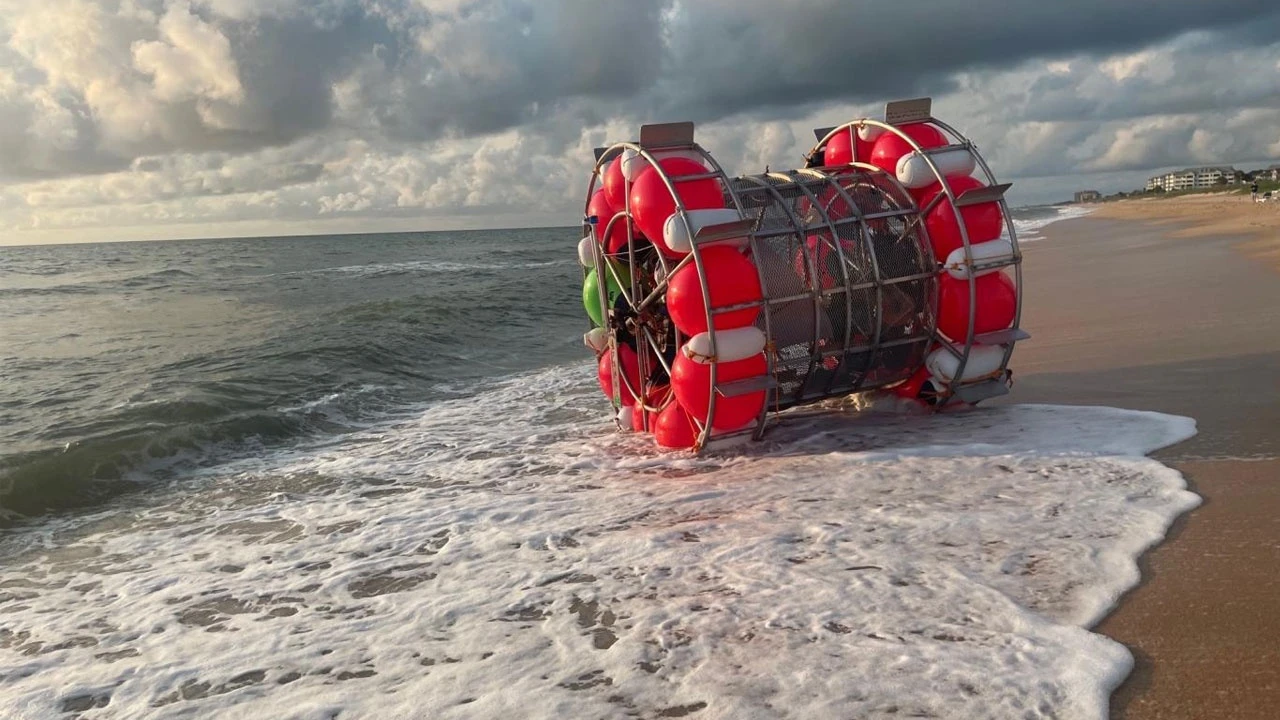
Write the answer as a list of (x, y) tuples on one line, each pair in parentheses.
[(887, 262)]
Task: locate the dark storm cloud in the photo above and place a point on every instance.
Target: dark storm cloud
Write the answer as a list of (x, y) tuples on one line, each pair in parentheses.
[(398, 70), (744, 55), (506, 63), (283, 64), (384, 69), (167, 110), (1205, 74)]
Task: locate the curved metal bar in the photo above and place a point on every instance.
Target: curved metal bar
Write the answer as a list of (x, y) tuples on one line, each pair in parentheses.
[(925, 245), (815, 292), (964, 239), (877, 277), (612, 271), (961, 226), (728, 186), (642, 356), (615, 398), (653, 160), (652, 270), (846, 285), (1013, 242), (680, 210)]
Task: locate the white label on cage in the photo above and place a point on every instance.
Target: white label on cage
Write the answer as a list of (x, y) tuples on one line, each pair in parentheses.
[(983, 360), (731, 345), (904, 112), (586, 252), (913, 170), (676, 235), (984, 252)]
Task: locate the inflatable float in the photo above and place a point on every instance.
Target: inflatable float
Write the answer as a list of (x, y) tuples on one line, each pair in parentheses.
[(888, 263)]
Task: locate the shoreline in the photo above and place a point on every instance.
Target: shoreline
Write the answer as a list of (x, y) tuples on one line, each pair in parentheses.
[(1178, 317), (1254, 226)]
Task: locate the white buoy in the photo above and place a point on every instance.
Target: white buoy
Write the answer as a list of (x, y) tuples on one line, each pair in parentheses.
[(626, 417), (676, 236), (597, 339), (633, 163), (913, 170), (587, 252), (998, 249), (870, 133), (731, 345), (983, 360)]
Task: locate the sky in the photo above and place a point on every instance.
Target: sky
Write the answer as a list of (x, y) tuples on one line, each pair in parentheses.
[(146, 119)]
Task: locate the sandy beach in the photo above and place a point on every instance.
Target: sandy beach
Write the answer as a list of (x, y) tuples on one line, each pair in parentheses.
[(1256, 226), (1173, 305)]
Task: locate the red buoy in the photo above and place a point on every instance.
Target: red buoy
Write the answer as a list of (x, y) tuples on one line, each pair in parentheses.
[(655, 402), (615, 185), (983, 221), (674, 428), (997, 302), (835, 203), (600, 207), (691, 382), (732, 280), (839, 151), (911, 389), (890, 147), (630, 371), (652, 203)]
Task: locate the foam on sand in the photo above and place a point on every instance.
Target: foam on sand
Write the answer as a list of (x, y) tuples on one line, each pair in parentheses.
[(506, 555), (1029, 227)]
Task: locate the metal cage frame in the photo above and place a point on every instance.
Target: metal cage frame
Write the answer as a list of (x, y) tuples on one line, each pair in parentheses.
[(656, 140)]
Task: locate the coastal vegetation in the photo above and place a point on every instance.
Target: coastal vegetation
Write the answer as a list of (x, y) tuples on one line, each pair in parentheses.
[(1240, 188)]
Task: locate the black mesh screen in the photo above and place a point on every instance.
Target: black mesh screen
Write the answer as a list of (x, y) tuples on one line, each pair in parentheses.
[(846, 271)]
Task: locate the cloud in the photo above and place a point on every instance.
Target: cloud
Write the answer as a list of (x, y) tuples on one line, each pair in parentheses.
[(192, 61), (746, 54), (152, 111)]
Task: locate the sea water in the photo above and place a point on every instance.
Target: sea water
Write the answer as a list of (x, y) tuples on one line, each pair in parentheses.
[(371, 476), (1029, 221)]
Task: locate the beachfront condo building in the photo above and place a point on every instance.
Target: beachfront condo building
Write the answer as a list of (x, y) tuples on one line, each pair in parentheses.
[(1192, 178), (1086, 196)]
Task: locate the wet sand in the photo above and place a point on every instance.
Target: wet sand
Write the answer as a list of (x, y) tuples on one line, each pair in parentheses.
[(1158, 316), (1231, 213)]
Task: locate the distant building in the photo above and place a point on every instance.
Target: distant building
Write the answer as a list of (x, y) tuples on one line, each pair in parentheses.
[(1088, 196), (1193, 178), (1271, 173)]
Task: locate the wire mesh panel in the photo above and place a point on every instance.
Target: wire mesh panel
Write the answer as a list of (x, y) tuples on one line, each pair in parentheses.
[(844, 272)]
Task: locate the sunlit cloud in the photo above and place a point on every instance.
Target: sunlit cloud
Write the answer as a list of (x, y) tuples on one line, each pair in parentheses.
[(162, 117)]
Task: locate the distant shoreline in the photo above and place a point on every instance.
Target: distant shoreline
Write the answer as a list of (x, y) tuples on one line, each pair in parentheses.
[(1208, 214)]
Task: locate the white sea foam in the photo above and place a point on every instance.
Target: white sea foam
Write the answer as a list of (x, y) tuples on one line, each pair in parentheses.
[(507, 555), (1028, 229), (423, 267)]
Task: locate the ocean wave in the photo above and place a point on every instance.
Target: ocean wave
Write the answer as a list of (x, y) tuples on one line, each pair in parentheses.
[(509, 553), (421, 267), (151, 280), (49, 290), (155, 278), (140, 444), (1028, 227)]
